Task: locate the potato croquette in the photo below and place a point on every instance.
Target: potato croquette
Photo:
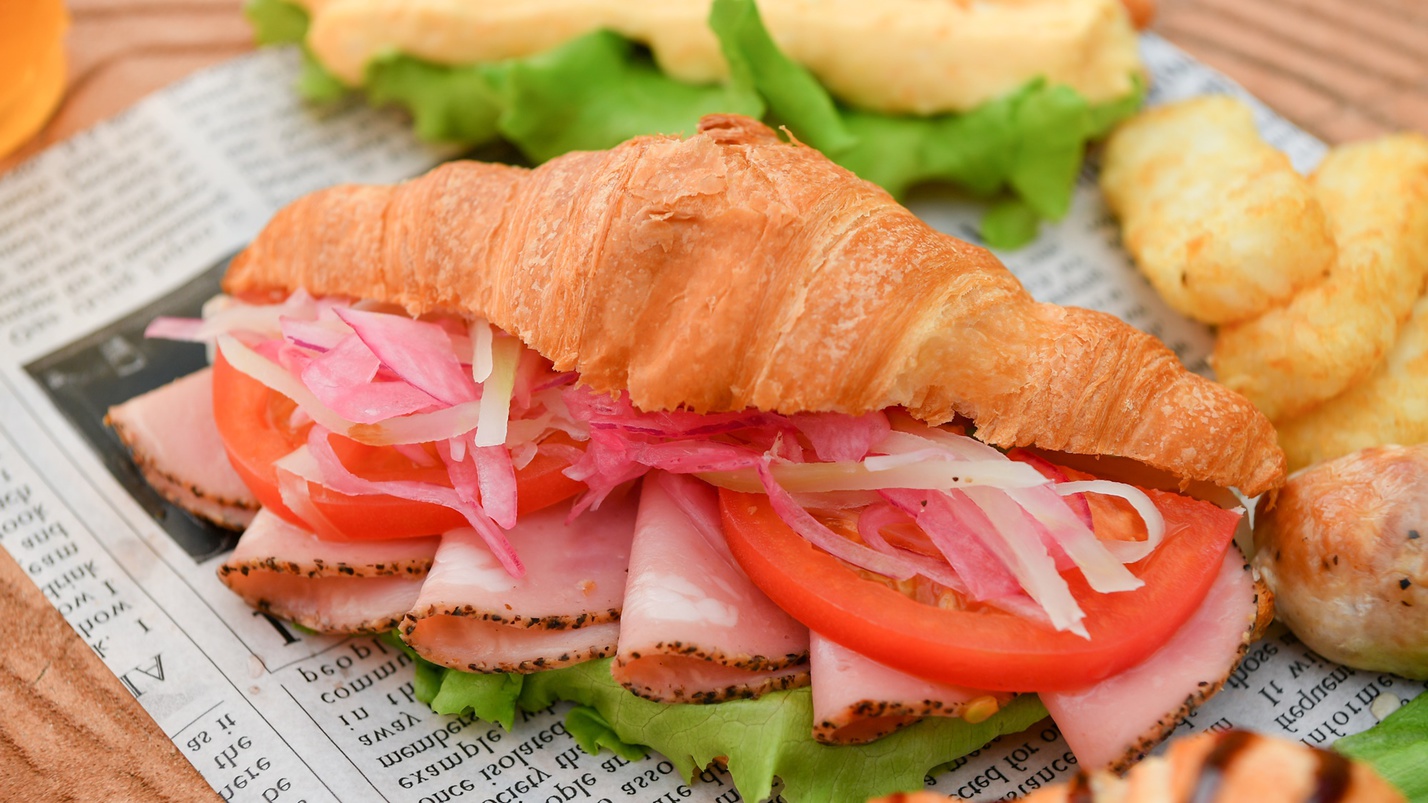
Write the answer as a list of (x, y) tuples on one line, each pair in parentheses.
[(1219, 221), (1344, 548), (1336, 332), (1390, 406)]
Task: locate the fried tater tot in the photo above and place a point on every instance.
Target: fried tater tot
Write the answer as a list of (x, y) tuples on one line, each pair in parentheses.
[(1334, 333), (1390, 406), (1219, 222)]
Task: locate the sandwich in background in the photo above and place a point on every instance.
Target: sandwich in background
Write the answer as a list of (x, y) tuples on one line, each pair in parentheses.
[(999, 98)]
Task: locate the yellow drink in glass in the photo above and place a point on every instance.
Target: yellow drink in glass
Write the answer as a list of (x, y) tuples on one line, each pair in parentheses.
[(32, 67)]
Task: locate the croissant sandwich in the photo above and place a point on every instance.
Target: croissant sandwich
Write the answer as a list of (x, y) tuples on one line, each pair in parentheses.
[(998, 97), (718, 441)]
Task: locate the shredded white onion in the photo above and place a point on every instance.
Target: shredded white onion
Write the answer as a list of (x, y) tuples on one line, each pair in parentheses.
[(902, 440), (496, 392), (1098, 561), (1027, 559), (481, 357), (1125, 551), (927, 470), (1102, 569), (415, 428)]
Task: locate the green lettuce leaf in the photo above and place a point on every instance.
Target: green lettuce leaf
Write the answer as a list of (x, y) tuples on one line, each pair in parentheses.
[(1009, 224), (428, 679), (447, 104), (794, 96), (278, 22), (491, 697), (1022, 150), (593, 734), (1397, 747), (600, 90), (761, 739)]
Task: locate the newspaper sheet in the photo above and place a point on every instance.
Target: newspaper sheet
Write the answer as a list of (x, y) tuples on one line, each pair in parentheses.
[(137, 218)]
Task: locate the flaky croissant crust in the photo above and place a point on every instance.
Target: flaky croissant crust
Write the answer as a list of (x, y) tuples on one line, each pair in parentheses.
[(731, 270)]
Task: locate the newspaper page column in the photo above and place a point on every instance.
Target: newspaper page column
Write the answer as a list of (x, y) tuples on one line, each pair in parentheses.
[(96, 227)]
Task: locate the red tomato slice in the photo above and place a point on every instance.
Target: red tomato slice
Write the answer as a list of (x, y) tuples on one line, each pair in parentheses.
[(254, 424), (985, 648)]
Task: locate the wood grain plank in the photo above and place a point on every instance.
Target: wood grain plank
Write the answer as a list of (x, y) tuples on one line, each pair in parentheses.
[(1212, 30), (1307, 59), (1372, 27), (70, 730)]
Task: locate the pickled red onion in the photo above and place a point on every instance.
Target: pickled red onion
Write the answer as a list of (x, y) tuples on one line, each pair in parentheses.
[(170, 328), (313, 335), (825, 539), (839, 438), (951, 529), (415, 428), (497, 478), (342, 379), (882, 514), (417, 351), (336, 476), (1026, 558)]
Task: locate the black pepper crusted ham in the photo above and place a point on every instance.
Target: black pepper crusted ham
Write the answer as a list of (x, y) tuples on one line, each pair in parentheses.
[(1117, 721), (328, 586), (171, 433), (695, 628), (474, 616), (857, 700)]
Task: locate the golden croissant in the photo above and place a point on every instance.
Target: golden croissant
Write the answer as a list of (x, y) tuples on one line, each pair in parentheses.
[(732, 270)]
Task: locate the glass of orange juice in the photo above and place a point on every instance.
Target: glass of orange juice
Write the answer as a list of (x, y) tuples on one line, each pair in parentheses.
[(32, 67)]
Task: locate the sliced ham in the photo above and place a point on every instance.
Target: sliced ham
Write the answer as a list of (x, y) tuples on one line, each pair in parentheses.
[(328, 586), (1117, 721), (175, 442), (472, 615), (857, 700), (695, 628), (477, 645), (272, 544)]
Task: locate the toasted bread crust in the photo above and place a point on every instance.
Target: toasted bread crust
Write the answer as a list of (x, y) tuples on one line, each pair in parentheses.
[(731, 270)]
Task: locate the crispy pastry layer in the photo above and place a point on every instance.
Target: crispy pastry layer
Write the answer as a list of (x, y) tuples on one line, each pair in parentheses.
[(731, 270)]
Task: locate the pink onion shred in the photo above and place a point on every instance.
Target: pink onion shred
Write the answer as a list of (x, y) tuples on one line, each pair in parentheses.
[(837, 438), (169, 328), (343, 378), (338, 478), (497, 477), (417, 351), (825, 539), (953, 530)]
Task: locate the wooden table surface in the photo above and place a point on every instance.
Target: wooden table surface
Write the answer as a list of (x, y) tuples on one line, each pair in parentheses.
[(69, 730)]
